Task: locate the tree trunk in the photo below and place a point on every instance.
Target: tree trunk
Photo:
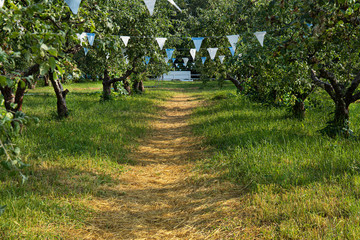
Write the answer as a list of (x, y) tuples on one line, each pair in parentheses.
[(9, 97), (136, 86), (299, 109), (341, 117), (106, 86), (46, 80), (60, 96), (127, 86), (19, 95), (236, 82), (141, 86)]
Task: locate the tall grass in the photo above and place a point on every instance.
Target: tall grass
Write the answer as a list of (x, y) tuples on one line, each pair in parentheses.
[(298, 183), (72, 159)]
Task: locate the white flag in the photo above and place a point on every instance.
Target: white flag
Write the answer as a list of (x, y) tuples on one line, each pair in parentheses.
[(125, 39), (260, 37), (174, 4), (127, 60), (233, 39), (91, 38), (81, 37), (107, 56), (86, 50), (185, 61), (197, 42), (222, 58), (73, 5), (212, 52), (161, 42), (2, 3), (193, 53), (150, 4)]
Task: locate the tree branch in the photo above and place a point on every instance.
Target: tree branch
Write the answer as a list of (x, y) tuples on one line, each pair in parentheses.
[(324, 85), (334, 83), (349, 98)]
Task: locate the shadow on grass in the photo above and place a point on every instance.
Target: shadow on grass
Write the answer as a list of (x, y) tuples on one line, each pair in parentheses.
[(261, 146)]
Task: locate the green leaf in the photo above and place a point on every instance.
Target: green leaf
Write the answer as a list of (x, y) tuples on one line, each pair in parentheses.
[(2, 80), (52, 63), (44, 69), (17, 151), (53, 51)]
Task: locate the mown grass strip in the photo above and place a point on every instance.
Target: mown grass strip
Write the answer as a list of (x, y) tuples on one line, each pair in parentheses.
[(72, 160)]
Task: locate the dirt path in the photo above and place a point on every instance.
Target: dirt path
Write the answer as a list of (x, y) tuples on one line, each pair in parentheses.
[(159, 198)]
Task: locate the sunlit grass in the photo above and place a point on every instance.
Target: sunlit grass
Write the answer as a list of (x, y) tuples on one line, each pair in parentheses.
[(72, 159), (298, 183)]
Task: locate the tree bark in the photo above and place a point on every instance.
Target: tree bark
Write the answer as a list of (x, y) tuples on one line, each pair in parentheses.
[(107, 82), (236, 82), (60, 96), (46, 80), (106, 86), (18, 97), (342, 98)]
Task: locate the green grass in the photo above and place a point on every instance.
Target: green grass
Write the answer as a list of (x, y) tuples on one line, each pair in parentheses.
[(72, 160), (298, 184)]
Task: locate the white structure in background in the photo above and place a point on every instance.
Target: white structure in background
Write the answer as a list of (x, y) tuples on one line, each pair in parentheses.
[(177, 75)]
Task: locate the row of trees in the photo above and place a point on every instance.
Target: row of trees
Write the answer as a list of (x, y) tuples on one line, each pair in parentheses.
[(39, 38), (308, 44)]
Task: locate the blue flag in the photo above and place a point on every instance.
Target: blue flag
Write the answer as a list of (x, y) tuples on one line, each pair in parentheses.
[(169, 52), (232, 51), (91, 38), (147, 60), (203, 59), (197, 42)]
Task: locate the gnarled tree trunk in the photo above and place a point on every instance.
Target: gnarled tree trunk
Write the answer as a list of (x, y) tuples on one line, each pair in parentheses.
[(342, 96), (62, 109), (236, 82)]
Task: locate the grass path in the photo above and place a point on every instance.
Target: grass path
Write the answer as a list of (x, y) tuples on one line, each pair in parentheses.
[(161, 197)]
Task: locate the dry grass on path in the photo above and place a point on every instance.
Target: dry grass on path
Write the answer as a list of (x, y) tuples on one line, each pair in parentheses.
[(159, 198)]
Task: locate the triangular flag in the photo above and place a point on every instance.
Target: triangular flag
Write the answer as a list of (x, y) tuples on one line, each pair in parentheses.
[(173, 60), (193, 53), (203, 59), (150, 4), (147, 60), (169, 52), (176, 64), (222, 58), (232, 51), (107, 56), (126, 60), (260, 37), (233, 39), (197, 42), (166, 59), (185, 61), (91, 38), (174, 4), (161, 42), (125, 39), (2, 3), (73, 5), (212, 52), (81, 37), (123, 51), (86, 50)]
